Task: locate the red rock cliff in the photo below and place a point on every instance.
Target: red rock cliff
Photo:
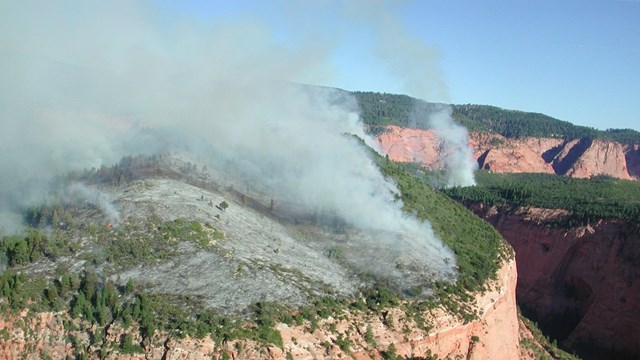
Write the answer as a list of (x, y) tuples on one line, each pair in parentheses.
[(577, 158), (582, 283)]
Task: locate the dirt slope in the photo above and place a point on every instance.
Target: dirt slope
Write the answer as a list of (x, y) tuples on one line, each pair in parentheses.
[(576, 158)]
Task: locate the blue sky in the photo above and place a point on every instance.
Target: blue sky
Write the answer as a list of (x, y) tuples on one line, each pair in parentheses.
[(575, 60)]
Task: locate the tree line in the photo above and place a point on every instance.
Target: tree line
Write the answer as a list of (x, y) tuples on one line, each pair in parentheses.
[(588, 200), (381, 109)]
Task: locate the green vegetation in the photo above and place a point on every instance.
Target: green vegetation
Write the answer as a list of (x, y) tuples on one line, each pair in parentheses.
[(588, 200), (368, 336), (182, 229), (515, 124), (127, 345), (391, 353), (477, 245), (128, 169), (24, 249), (101, 303), (381, 109), (344, 343), (58, 215)]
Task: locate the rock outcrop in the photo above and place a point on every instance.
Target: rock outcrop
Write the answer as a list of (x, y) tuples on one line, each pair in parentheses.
[(494, 335), (581, 284), (581, 158), (411, 145)]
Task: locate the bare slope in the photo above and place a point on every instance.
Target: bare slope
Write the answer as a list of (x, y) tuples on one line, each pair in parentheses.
[(258, 259), (165, 224)]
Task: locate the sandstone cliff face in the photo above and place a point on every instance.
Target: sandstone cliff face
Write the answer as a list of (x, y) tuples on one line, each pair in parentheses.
[(581, 284), (512, 155), (494, 335), (578, 158), (595, 158), (411, 145)]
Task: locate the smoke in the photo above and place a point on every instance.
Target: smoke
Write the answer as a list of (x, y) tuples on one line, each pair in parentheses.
[(458, 157), (417, 66), (78, 80), (455, 154), (81, 192)]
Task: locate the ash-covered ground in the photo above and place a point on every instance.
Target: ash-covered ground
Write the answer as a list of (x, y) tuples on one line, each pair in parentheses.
[(259, 258), (246, 247)]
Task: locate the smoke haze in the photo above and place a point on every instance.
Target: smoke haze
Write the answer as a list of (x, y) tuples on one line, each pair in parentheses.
[(417, 66), (78, 79), (91, 195)]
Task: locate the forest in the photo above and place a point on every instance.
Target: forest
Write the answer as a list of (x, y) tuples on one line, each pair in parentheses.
[(588, 200), (382, 109)]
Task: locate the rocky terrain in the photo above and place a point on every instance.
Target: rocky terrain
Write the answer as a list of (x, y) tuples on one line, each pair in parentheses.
[(577, 158), (580, 283)]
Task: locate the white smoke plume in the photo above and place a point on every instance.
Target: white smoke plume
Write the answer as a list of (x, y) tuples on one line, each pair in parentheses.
[(455, 153), (458, 157), (417, 66), (78, 78)]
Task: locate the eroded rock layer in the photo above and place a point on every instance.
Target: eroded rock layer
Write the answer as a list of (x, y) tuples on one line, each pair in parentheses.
[(582, 158)]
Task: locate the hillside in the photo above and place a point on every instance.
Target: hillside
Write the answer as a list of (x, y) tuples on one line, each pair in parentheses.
[(382, 109), (505, 141), (186, 265)]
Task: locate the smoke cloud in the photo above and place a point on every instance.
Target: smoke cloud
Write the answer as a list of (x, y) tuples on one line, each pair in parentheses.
[(458, 157), (77, 81), (417, 66)]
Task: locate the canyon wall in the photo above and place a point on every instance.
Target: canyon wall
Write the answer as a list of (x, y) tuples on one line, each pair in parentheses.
[(494, 335), (577, 158), (581, 284)]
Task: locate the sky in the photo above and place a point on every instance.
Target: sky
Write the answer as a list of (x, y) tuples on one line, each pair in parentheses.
[(577, 61)]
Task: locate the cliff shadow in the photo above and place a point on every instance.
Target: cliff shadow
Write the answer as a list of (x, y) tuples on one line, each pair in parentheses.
[(551, 154), (481, 160), (562, 166), (632, 158)]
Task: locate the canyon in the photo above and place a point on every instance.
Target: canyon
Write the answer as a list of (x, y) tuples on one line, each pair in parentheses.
[(581, 158), (581, 283)]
